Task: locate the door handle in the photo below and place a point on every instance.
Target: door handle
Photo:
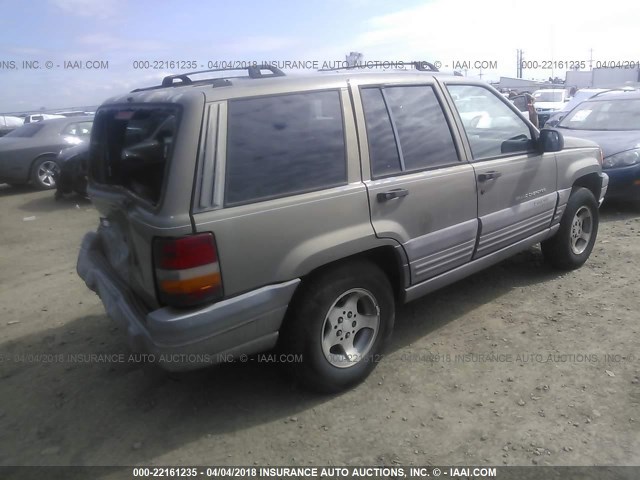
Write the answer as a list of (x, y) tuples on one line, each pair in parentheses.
[(391, 194), (492, 175)]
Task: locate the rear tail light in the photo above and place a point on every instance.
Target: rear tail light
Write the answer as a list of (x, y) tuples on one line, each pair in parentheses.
[(187, 270)]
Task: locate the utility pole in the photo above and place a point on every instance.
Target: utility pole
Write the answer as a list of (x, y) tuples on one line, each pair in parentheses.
[(591, 59), (480, 74), (519, 59)]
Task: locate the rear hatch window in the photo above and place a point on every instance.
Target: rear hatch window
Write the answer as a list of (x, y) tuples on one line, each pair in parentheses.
[(131, 147)]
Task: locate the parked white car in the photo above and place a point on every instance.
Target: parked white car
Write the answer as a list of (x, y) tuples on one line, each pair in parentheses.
[(549, 101), (38, 117), (9, 123)]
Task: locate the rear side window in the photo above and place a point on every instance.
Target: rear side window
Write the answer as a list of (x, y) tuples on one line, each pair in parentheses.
[(284, 145), (406, 129), (81, 129), (131, 147)]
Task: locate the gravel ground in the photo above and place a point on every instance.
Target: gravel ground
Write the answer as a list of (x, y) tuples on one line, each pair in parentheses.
[(516, 365)]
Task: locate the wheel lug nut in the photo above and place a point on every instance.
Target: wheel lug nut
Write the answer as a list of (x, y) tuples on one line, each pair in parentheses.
[(353, 324), (338, 333), (349, 315), (340, 319), (347, 335)]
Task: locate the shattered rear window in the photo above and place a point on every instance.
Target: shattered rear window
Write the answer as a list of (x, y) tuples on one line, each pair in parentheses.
[(132, 146)]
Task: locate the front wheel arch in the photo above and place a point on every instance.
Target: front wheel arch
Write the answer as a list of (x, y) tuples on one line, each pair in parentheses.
[(590, 181), (560, 250)]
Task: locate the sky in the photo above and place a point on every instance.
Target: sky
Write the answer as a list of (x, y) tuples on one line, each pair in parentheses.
[(122, 32)]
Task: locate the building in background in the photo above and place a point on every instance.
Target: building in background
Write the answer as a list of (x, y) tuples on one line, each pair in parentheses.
[(519, 85), (603, 78)]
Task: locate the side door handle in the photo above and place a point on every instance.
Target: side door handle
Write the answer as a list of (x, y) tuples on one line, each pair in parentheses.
[(391, 194), (491, 175)]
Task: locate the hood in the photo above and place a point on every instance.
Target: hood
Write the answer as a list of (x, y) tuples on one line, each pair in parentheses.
[(610, 142), (575, 142)]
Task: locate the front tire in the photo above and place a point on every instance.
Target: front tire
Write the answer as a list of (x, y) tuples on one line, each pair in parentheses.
[(572, 244), (44, 172), (338, 325)]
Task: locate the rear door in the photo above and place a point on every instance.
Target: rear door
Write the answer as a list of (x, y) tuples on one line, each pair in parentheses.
[(421, 193), (516, 184)]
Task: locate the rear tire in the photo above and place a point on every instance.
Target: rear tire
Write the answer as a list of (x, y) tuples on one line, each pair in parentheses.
[(572, 244), (44, 172), (338, 325)]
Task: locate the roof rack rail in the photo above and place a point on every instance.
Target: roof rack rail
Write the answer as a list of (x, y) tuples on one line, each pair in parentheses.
[(182, 79), (419, 65), (620, 89)]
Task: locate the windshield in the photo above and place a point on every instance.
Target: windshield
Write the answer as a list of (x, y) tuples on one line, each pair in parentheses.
[(472, 104), (579, 97), (604, 115), (27, 130), (548, 96)]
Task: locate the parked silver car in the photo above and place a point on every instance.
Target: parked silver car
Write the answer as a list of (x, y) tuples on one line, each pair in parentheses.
[(28, 153), (241, 214)]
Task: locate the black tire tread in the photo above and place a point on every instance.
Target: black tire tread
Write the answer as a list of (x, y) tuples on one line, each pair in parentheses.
[(557, 250), (308, 307)]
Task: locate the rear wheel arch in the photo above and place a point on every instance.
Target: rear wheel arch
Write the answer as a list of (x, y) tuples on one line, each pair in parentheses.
[(387, 258), (307, 331), (48, 155), (43, 157), (49, 180)]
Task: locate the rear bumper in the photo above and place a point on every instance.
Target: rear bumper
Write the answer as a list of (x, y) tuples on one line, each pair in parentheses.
[(187, 339)]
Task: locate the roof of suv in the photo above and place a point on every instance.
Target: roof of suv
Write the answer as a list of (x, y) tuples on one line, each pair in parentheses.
[(234, 87)]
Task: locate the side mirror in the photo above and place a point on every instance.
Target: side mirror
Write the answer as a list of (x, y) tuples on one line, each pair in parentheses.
[(550, 140)]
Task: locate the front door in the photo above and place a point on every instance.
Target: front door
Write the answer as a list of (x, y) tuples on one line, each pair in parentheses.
[(516, 183)]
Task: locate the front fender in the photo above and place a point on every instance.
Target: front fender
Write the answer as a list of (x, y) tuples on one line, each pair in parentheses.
[(574, 163)]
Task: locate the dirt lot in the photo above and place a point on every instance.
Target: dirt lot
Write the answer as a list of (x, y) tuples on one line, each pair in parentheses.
[(517, 365)]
